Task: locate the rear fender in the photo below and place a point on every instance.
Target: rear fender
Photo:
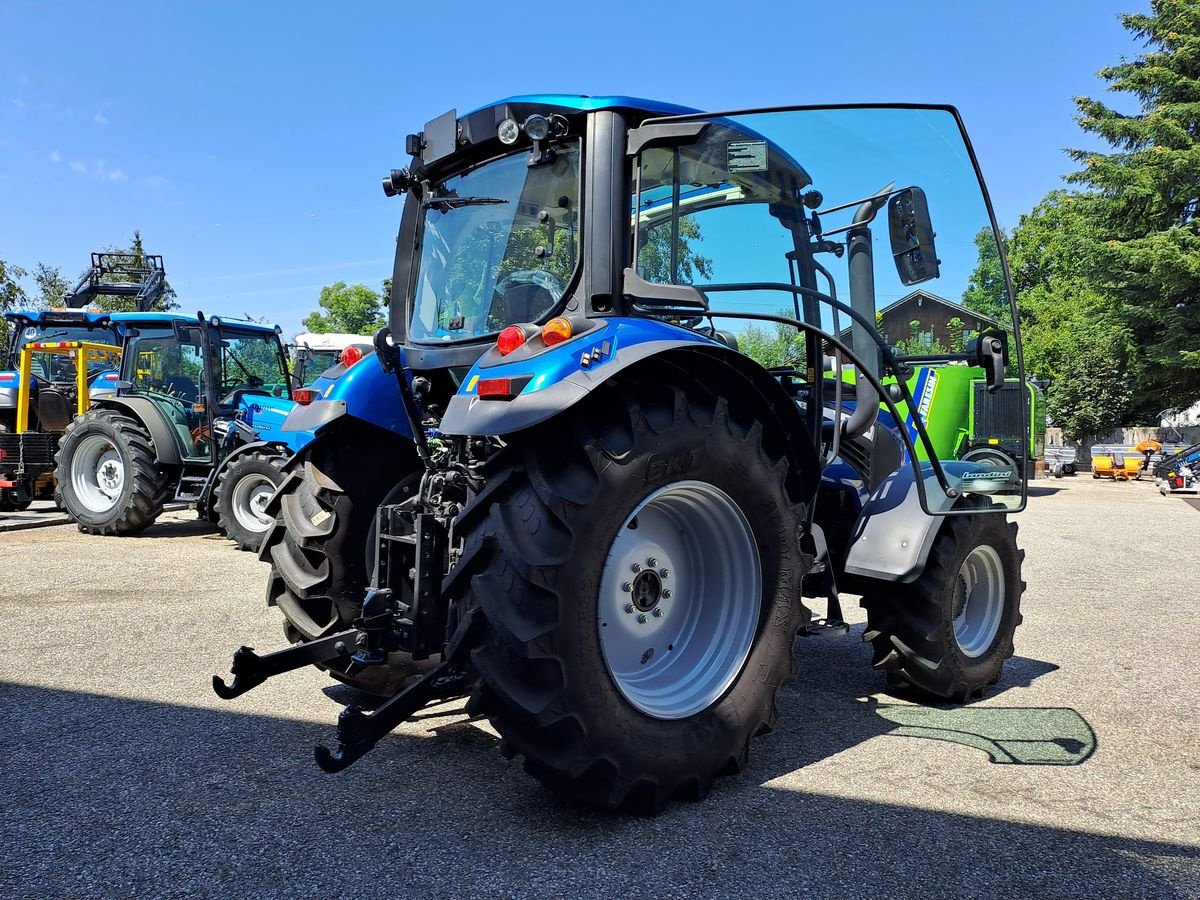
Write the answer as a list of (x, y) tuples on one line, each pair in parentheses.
[(633, 348), (362, 391), (166, 447), (893, 535), (558, 378)]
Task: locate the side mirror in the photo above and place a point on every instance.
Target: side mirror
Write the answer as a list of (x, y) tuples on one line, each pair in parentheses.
[(990, 350), (912, 236)]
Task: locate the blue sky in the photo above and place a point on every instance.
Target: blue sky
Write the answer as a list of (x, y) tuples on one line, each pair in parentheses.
[(247, 140)]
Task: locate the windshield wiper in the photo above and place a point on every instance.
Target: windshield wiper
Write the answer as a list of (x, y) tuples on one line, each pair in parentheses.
[(449, 202)]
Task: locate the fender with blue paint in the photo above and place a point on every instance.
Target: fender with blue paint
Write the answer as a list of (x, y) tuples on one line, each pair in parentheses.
[(560, 377), (362, 391), (266, 415)]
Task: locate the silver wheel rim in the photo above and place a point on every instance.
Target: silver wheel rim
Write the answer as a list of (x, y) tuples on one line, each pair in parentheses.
[(978, 601), (680, 598), (97, 473), (249, 502)]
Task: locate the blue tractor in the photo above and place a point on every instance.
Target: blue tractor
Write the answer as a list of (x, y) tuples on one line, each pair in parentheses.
[(617, 441), (52, 397), (196, 417)]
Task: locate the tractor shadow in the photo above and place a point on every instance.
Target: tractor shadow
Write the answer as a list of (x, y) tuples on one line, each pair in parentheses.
[(135, 796), (839, 702), (1043, 490)]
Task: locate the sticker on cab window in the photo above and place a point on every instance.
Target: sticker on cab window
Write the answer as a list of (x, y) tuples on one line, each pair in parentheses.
[(747, 156)]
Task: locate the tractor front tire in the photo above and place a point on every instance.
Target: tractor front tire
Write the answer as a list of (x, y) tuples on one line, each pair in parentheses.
[(948, 634), (242, 491), (109, 480), (634, 572), (320, 545)]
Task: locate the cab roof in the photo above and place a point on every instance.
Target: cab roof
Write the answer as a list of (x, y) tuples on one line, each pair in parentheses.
[(588, 103), (144, 319)]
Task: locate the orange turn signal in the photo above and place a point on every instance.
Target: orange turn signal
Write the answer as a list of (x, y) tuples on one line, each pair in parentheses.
[(350, 355), (556, 331), (510, 339)]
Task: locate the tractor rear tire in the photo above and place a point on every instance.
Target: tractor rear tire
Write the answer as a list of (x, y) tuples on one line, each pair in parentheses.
[(569, 556), (109, 479), (242, 491), (320, 543), (948, 634)]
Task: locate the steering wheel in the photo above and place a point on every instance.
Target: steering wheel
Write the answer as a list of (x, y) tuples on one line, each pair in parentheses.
[(166, 395)]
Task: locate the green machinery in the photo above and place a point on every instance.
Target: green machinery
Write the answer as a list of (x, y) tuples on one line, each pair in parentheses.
[(966, 422)]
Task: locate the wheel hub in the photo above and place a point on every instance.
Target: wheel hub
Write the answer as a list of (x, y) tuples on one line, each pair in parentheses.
[(647, 589), (109, 475)]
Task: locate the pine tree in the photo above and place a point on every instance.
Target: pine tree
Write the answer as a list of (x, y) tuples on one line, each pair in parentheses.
[(1143, 199)]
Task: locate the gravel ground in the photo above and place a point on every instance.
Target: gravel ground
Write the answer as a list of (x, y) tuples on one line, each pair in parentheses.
[(123, 774)]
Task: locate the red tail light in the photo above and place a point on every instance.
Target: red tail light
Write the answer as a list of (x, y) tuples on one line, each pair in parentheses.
[(350, 356), (304, 395), (510, 339)]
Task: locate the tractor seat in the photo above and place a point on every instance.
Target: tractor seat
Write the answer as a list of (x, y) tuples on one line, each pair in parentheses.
[(975, 477), (182, 387), (522, 303)]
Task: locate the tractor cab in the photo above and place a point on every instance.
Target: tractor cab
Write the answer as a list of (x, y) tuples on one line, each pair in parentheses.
[(202, 376)]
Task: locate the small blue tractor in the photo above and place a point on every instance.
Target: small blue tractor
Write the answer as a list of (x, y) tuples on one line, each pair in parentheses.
[(195, 418), (562, 488)]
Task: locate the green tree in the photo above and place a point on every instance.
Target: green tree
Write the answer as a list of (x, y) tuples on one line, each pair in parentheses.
[(654, 258), (52, 287), (348, 308), (987, 292), (1073, 332), (12, 296), (773, 344), (1143, 199)]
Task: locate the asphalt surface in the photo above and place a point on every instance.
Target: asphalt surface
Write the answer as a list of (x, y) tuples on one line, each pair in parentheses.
[(123, 774)]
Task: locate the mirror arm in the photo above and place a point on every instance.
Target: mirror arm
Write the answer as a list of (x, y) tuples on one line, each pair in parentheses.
[(862, 301)]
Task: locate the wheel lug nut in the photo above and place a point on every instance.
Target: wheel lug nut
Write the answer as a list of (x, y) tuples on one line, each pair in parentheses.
[(629, 607), (665, 573), (637, 567), (642, 619), (658, 613), (652, 562), (627, 587), (666, 595)]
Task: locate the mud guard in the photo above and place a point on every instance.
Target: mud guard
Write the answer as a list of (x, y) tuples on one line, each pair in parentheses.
[(166, 447), (556, 379), (893, 535), (363, 391)]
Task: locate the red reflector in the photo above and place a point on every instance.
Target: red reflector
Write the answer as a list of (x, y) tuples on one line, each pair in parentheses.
[(8, 376), (8, 484), (509, 340), (304, 395), (350, 355), (112, 377), (496, 387)]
